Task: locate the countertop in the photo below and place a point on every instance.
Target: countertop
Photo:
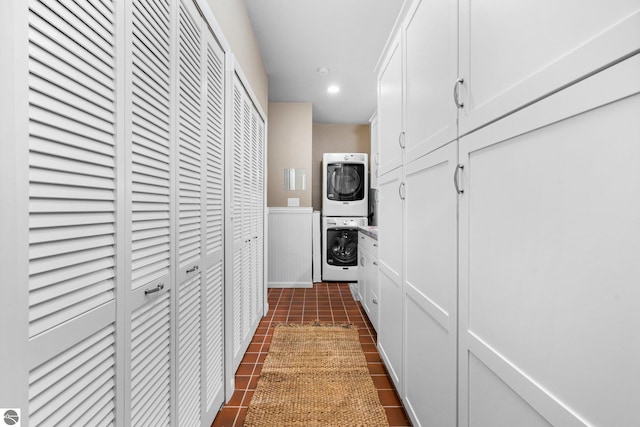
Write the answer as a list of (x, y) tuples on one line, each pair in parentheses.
[(369, 230)]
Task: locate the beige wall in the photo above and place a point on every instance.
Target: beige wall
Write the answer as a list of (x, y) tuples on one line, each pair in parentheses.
[(289, 146), (335, 138), (234, 22)]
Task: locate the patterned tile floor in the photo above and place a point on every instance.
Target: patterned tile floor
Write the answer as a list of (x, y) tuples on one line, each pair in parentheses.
[(328, 303)]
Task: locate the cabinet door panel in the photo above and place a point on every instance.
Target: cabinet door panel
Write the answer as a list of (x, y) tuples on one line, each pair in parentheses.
[(508, 62), (430, 288), (390, 110), (431, 68), (390, 253), (547, 255)]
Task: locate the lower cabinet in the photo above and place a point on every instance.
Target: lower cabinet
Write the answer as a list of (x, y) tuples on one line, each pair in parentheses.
[(430, 288), (368, 277)]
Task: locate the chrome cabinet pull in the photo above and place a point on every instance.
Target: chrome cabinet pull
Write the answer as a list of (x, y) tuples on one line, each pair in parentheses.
[(401, 190), (375, 262), (456, 93), (375, 301), (192, 269), (401, 139), (154, 290), (456, 178)]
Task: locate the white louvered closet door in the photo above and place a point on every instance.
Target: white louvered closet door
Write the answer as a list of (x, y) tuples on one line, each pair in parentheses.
[(247, 176), (149, 206), (72, 213), (189, 215), (236, 219), (213, 312)]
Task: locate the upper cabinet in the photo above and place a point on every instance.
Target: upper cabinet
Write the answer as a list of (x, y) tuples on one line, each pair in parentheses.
[(431, 66), (514, 53), (390, 106)]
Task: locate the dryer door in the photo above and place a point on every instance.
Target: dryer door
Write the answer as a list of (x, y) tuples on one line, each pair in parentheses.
[(342, 247), (345, 181)]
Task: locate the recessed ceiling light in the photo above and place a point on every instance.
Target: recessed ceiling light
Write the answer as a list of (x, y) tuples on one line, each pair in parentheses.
[(333, 89)]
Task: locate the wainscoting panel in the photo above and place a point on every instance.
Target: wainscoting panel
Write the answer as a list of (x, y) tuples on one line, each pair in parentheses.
[(290, 248)]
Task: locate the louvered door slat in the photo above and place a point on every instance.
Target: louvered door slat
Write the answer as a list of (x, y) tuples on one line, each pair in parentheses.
[(51, 84), (46, 139)]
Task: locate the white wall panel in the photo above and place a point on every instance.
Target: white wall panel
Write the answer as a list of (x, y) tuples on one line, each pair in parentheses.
[(290, 247)]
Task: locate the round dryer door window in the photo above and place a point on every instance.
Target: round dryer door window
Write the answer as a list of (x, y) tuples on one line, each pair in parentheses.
[(342, 247), (345, 182)]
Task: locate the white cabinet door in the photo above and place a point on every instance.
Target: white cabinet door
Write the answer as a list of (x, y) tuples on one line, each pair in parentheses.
[(390, 229), (374, 158), (431, 46), (513, 53), (390, 111), (362, 277), (430, 288), (371, 296), (549, 300)]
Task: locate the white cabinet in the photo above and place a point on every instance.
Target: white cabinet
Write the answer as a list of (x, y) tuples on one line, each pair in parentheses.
[(374, 158), (390, 110), (430, 288), (514, 54), (431, 65), (504, 229), (390, 251), (368, 276), (547, 236)]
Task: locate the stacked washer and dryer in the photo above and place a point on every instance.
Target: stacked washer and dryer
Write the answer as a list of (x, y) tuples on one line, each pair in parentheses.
[(344, 208)]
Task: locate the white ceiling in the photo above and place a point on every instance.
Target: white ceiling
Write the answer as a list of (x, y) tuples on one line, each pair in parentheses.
[(296, 37)]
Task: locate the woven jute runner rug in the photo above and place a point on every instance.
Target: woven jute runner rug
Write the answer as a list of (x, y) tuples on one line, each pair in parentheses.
[(315, 376)]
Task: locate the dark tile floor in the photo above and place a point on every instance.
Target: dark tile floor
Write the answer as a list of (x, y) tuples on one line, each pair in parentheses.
[(328, 303)]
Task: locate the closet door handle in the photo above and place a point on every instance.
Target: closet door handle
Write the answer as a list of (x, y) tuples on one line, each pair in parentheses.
[(401, 139), (401, 191), (456, 178), (192, 269), (456, 93), (154, 290)]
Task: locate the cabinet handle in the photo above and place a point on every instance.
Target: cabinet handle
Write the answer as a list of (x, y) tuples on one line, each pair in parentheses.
[(456, 177), (192, 269), (375, 301), (401, 139), (456, 93), (377, 159), (362, 261), (375, 245), (154, 290), (401, 190), (375, 262)]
